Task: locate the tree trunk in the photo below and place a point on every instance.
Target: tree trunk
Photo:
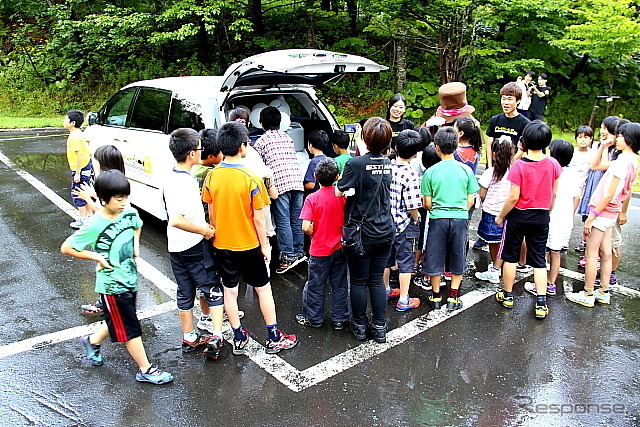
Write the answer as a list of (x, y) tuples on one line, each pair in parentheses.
[(401, 65), (257, 18), (352, 11)]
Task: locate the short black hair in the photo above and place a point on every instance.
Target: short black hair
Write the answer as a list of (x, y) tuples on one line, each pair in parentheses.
[(326, 171), (536, 135), (425, 134), (75, 116), (182, 141), (319, 139), (210, 146), (562, 151), (231, 136), (111, 183), (109, 157), (408, 143), (532, 74), (584, 130), (430, 156), (631, 134), (341, 139), (270, 118), (543, 76), (447, 139)]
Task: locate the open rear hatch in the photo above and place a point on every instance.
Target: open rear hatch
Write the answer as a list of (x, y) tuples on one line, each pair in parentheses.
[(295, 67)]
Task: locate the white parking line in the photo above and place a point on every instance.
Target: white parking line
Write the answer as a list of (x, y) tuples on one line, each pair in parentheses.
[(33, 137)]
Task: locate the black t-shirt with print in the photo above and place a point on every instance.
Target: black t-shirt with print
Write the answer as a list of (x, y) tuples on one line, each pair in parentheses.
[(500, 125), (397, 127), (538, 104), (364, 173)]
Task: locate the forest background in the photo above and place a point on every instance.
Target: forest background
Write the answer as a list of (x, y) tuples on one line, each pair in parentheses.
[(56, 55)]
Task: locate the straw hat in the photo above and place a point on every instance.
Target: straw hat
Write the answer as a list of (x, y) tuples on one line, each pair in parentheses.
[(453, 102)]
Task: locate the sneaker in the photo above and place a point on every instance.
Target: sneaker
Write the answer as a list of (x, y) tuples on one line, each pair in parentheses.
[(238, 346), (479, 244), (491, 275), (188, 346), (417, 270), (305, 322), (581, 298), (359, 331), (154, 375), (423, 282), (394, 276), (531, 288), (411, 303), (92, 351), (95, 308), (298, 259), (338, 325), (284, 343), (581, 246), (205, 325), (378, 333), (506, 301), (453, 304), (393, 293), (225, 318), (583, 263), (522, 269), (436, 302), (613, 280), (76, 224), (541, 311), (212, 350), (284, 266), (447, 275), (602, 297)]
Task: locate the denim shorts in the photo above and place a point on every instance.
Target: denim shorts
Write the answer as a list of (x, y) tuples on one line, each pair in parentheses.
[(488, 230)]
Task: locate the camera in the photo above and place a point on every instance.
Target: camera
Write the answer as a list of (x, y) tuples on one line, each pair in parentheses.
[(350, 128)]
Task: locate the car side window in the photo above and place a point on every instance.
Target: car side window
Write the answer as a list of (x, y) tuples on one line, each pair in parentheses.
[(185, 114), (116, 109), (151, 109)]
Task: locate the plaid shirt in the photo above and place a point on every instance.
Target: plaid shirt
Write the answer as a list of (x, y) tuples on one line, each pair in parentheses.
[(279, 154), (405, 193)]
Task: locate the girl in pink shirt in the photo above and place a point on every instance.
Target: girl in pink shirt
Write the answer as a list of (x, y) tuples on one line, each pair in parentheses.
[(606, 203)]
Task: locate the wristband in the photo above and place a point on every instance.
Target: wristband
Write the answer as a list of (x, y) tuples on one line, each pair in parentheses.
[(593, 211)]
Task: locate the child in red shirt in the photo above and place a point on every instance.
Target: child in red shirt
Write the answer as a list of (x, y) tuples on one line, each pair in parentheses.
[(322, 218), (525, 214)]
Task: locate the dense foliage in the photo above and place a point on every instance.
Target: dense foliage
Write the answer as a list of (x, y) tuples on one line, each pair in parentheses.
[(57, 54)]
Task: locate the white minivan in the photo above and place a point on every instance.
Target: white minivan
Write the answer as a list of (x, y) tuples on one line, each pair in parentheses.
[(139, 118)]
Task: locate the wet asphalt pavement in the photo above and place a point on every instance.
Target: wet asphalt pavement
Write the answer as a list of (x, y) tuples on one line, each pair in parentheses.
[(484, 366)]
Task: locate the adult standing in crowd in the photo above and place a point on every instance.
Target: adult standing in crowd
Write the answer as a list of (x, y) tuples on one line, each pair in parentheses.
[(366, 180), (396, 108), (525, 84), (453, 102), (539, 98)]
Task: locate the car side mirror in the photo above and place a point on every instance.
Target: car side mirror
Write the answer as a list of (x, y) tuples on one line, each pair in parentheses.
[(92, 118)]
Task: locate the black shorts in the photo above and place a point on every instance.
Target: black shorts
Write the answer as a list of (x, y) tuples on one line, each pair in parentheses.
[(535, 234), (194, 270), (250, 264), (120, 315)]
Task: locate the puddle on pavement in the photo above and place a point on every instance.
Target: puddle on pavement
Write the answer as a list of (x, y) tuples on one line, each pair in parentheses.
[(43, 162)]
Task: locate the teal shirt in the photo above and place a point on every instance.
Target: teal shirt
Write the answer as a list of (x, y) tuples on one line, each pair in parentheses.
[(342, 160), (449, 183), (113, 239)]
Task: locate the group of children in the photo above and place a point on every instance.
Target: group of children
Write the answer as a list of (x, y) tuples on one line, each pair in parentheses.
[(218, 196)]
